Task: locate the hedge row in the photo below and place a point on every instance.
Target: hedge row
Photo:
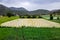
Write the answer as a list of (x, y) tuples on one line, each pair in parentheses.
[(30, 16)]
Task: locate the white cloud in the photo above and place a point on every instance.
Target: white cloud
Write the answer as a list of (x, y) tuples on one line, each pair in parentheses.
[(50, 6), (25, 3), (33, 6)]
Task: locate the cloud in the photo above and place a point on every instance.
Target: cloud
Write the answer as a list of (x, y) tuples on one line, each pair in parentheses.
[(50, 6), (33, 4)]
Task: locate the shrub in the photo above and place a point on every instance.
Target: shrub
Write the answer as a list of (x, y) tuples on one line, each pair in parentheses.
[(57, 18), (34, 17), (28, 17), (40, 16)]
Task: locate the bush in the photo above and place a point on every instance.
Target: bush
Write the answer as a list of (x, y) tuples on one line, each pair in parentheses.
[(28, 17), (21, 16), (10, 14), (57, 18), (40, 16), (34, 17)]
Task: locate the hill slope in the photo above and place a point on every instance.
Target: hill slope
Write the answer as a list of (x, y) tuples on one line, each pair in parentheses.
[(23, 11)]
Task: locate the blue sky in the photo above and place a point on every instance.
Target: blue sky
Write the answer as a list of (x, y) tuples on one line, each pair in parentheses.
[(32, 4)]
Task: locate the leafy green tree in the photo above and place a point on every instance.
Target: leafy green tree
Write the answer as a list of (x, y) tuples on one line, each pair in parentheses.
[(10, 14), (51, 17)]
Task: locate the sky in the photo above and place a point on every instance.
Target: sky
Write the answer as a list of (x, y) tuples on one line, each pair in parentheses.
[(32, 4)]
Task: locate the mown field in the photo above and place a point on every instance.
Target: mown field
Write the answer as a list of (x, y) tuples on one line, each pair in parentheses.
[(29, 33), (5, 19), (54, 19)]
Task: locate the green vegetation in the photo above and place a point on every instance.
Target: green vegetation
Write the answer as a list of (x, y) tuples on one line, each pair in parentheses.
[(5, 19), (51, 17), (30, 16), (10, 14), (54, 18), (28, 33)]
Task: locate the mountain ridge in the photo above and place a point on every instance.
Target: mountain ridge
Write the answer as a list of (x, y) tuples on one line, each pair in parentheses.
[(22, 11)]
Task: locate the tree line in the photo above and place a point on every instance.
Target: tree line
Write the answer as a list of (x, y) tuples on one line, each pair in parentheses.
[(33, 16)]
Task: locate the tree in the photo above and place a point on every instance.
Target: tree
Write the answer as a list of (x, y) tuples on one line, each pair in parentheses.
[(51, 17), (10, 14)]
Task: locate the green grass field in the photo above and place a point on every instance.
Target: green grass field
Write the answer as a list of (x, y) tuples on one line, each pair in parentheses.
[(5, 19), (54, 20), (29, 33)]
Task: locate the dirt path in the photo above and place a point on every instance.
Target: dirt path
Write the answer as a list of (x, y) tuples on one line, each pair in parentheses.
[(31, 22)]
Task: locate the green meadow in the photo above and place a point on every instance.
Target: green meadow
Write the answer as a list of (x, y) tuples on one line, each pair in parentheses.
[(29, 33), (5, 18)]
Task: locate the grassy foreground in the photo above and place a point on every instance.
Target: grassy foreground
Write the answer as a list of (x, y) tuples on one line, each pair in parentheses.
[(5, 19), (29, 33)]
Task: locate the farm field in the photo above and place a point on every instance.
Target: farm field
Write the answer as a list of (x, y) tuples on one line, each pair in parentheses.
[(31, 22), (29, 33), (14, 28), (5, 19)]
